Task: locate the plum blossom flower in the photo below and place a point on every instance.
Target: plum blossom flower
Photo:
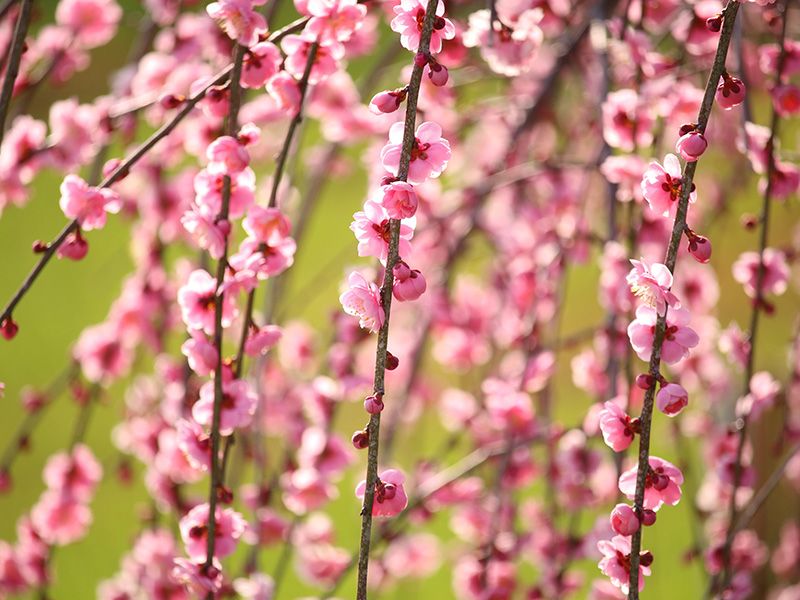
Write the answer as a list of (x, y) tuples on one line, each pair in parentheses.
[(196, 299), (661, 186), (77, 473), (92, 22), (266, 225), (652, 283), (372, 229), (230, 526), (239, 19), (514, 41), (399, 199), (616, 562), (200, 353), (617, 428), (238, 405), (672, 399), (201, 580), (430, 152), (390, 498), (776, 272), (207, 232), (226, 155), (102, 356), (305, 490), (786, 100), (208, 188), (408, 23), (260, 64), (60, 519), (334, 21), (387, 101), (662, 486), (326, 59), (87, 204), (678, 336), (363, 300), (627, 121)]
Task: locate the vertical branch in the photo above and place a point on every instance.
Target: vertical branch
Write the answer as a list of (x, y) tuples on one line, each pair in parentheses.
[(17, 45), (216, 467), (729, 20), (386, 302)]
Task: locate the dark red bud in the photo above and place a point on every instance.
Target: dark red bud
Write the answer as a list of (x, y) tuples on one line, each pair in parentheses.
[(646, 558), (39, 246), (392, 362), (420, 59), (360, 439), (648, 517), (8, 328), (644, 381), (714, 24), (170, 101), (224, 494)]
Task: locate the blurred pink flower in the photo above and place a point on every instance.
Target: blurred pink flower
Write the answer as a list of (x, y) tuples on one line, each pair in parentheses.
[(88, 205), (239, 19)]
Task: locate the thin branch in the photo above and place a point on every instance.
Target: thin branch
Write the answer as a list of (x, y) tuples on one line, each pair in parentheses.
[(12, 70)]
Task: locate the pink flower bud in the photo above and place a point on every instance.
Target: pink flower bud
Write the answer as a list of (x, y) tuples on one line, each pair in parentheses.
[(420, 59), (399, 199), (648, 517), (387, 102), (714, 24), (249, 134), (111, 165), (39, 247), (660, 482), (730, 92), (224, 227), (373, 404), (360, 439), (438, 74), (8, 328), (392, 362), (411, 288), (624, 520), (387, 491), (672, 399), (691, 146), (74, 247), (401, 271), (170, 101), (644, 381), (700, 248)]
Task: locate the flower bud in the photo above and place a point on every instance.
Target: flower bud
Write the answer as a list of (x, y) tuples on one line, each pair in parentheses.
[(373, 404), (387, 102), (700, 248), (360, 439), (39, 246), (648, 517), (401, 271), (730, 92), (420, 59), (624, 520), (387, 491), (691, 146), (74, 247), (644, 381), (438, 74), (646, 558), (660, 482), (714, 24), (392, 362), (410, 289), (9, 328), (170, 101)]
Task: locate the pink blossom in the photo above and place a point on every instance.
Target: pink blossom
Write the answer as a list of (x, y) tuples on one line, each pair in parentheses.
[(88, 205), (437, 73), (627, 121), (652, 284), (306, 490), (200, 353), (260, 64), (514, 42), (785, 180), (76, 474), (672, 399), (413, 555), (12, 579), (334, 21), (267, 225), (326, 59), (387, 102), (616, 426), (616, 562), (60, 519), (390, 498), (408, 284), (200, 580), (324, 452), (691, 145), (661, 186), (259, 340), (239, 19), (398, 198), (238, 405), (196, 299), (624, 520), (509, 409), (429, 153), (74, 247), (285, 91), (230, 526), (226, 155), (764, 390), (775, 276), (678, 336), (662, 485), (363, 300), (101, 355), (372, 229), (322, 564), (195, 443), (786, 100), (207, 232), (699, 247), (730, 92), (408, 23), (208, 189), (258, 261), (258, 586), (92, 22)]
